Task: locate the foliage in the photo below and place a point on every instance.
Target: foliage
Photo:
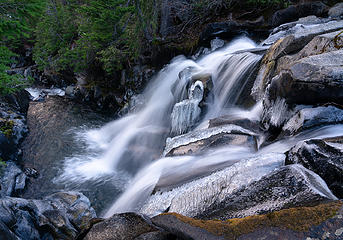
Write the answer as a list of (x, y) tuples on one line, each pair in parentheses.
[(17, 18), (74, 35)]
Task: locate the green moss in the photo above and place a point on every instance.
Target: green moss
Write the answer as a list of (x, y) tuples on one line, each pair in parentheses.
[(297, 219), (6, 127)]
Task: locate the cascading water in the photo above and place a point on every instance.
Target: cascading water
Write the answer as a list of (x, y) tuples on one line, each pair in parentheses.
[(135, 142)]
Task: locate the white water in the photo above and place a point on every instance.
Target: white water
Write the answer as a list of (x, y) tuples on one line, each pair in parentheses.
[(135, 142)]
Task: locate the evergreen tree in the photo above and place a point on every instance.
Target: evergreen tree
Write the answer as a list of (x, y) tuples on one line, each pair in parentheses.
[(17, 19)]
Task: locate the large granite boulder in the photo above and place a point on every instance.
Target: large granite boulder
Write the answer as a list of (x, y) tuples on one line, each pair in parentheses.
[(58, 216), (311, 80), (292, 43), (324, 157), (196, 197), (290, 186)]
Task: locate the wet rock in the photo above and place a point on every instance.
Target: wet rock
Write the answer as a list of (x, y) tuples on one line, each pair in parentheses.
[(290, 186), (311, 80), (246, 123), (294, 12), (336, 11), (125, 226), (195, 197), (311, 117), (322, 221), (12, 181), (59, 216), (324, 157), (202, 139)]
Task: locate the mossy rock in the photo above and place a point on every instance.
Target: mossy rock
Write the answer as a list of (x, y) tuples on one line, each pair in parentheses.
[(299, 223), (6, 127)]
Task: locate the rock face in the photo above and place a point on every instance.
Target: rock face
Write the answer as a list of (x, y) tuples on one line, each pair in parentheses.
[(200, 140), (126, 226), (323, 221), (289, 186), (58, 216), (324, 157)]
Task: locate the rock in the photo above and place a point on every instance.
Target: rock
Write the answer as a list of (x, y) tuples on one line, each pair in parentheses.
[(246, 123), (19, 101), (70, 91), (202, 139), (195, 197), (12, 181), (59, 216), (322, 221), (290, 41), (294, 12), (311, 80), (320, 44), (7, 148), (183, 229), (228, 30), (303, 33), (336, 11), (125, 226), (324, 157), (311, 117), (290, 186), (157, 235)]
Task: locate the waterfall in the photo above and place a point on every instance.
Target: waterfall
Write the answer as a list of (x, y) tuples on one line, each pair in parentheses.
[(182, 97)]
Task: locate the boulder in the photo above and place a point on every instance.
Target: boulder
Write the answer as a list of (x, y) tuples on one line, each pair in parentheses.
[(195, 197), (59, 216), (336, 11), (290, 186), (200, 140), (125, 226), (12, 181), (309, 39), (303, 32), (311, 80), (323, 221), (324, 157), (320, 44), (312, 117), (294, 12)]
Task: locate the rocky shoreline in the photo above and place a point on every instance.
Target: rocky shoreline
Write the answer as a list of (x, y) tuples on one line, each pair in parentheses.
[(299, 82)]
